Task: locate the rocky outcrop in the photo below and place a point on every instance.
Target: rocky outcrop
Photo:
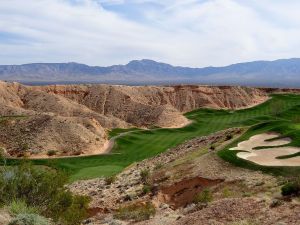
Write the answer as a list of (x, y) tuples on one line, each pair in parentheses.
[(243, 211), (36, 135), (128, 184), (186, 173), (107, 99)]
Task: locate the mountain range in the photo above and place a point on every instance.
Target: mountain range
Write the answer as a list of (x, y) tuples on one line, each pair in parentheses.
[(281, 72)]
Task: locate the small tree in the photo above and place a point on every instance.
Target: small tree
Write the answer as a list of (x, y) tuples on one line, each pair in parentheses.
[(291, 188), (43, 189)]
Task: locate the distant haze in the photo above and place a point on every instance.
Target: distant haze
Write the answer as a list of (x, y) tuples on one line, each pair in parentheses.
[(278, 73)]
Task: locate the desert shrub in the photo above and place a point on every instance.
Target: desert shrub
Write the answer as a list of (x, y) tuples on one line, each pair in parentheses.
[(204, 196), (158, 166), (135, 211), (127, 198), (291, 188), (145, 175), (212, 147), (247, 194), (146, 189), (228, 137), (110, 180), (226, 192), (51, 153), (24, 146), (29, 219), (275, 203), (76, 210), (42, 189), (20, 207)]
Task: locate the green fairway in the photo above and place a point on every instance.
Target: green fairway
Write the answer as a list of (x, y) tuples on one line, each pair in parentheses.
[(279, 113), (119, 131)]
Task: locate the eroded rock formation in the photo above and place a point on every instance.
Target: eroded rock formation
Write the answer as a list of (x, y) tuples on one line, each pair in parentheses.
[(74, 119)]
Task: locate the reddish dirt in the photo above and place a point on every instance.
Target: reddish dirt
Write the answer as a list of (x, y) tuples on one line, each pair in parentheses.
[(183, 192), (96, 210)]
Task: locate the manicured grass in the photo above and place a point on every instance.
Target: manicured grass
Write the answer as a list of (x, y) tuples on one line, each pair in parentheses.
[(118, 131), (276, 113)]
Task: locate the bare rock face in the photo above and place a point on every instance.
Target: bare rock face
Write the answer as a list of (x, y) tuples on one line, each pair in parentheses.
[(39, 134), (68, 117), (145, 105)]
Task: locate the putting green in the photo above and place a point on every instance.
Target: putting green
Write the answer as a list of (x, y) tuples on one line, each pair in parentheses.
[(275, 114)]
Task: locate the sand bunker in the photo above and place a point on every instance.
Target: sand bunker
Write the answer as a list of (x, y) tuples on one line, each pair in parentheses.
[(268, 156)]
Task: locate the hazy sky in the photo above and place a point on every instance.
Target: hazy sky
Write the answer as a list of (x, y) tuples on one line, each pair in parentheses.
[(180, 32)]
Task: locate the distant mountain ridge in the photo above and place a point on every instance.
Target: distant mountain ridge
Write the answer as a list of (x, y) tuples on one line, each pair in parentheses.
[(282, 72)]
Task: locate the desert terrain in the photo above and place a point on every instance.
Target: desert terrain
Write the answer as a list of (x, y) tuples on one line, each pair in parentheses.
[(149, 112), (183, 154), (75, 119)]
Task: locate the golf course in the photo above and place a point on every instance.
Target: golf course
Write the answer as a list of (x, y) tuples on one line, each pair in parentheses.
[(281, 114)]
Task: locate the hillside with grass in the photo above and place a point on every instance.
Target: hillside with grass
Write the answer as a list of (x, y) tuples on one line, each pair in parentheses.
[(277, 114)]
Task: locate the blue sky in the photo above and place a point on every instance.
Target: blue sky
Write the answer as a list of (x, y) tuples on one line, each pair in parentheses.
[(180, 32)]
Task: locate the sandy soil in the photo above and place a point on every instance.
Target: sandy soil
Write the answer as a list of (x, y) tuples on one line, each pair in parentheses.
[(268, 156)]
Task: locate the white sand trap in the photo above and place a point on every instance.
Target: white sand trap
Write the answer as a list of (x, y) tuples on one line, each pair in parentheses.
[(268, 156)]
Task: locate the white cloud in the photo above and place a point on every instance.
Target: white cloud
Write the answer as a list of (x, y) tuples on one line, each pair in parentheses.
[(191, 32)]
